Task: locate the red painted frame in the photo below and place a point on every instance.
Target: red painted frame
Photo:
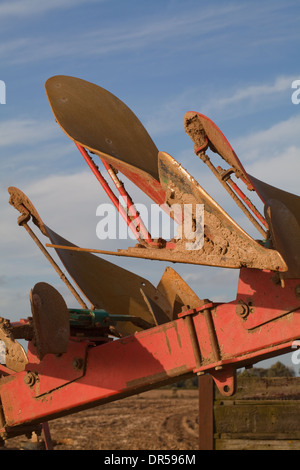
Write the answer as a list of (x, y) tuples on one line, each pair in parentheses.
[(213, 339)]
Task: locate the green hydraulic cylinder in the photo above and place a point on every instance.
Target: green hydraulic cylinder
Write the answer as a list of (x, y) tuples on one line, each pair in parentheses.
[(99, 318)]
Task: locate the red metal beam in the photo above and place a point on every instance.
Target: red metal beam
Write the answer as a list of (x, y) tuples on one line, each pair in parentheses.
[(263, 321), (110, 371)]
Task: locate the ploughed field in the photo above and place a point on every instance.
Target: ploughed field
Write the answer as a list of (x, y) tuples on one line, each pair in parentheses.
[(155, 420)]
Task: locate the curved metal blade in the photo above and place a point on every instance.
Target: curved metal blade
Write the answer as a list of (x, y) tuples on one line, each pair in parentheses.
[(205, 133), (100, 122), (178, 292), (104, 284), (282, 210), (111, 287), (51, 320), (225, 243), (268, 192)]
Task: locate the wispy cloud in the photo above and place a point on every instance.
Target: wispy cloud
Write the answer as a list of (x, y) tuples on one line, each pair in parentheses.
[(270, 141), (158, 30), (254, 93), (25, 131), (280, 170), (29, 8), (273, 154), (169, 116), (68, 203), (162, 31)]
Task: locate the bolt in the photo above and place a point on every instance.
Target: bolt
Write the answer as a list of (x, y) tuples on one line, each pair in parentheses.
[(77, 363), (242, 309), (185, 308), (30, 379), (297, 291)]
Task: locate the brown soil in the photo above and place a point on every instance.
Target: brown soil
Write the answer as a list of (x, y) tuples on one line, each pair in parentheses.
[(155, 420)]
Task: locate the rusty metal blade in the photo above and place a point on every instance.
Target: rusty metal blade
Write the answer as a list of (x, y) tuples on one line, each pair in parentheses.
[(225, 243), (204, 132), (98, 121), (157, 313), (178, 292), (50, 320), (285, 235), (268, 192), (21, 202), (282, 210), (109, 286), (104, 284)]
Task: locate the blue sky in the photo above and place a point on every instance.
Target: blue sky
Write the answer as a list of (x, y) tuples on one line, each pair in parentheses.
[(233, 61)]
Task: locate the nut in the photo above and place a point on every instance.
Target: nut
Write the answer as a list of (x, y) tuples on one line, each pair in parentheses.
[(30, 379), (242, 309), (77, 363)]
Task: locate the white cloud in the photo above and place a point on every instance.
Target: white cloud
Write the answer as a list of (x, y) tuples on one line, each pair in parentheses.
[(29, 8), (255, 92), (251, 98), (272, 140), (169, 32), (25, 131), (155, 30), (133, 35), (273, 154), (67, 203), (169, 115), (281, 170)]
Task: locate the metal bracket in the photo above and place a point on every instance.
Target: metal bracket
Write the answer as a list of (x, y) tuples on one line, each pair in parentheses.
[(224, 376)]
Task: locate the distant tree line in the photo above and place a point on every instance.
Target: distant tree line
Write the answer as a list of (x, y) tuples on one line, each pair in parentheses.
[(276, 370)]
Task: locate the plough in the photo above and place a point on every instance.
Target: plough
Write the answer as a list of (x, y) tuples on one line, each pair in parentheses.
[(128, 336)]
